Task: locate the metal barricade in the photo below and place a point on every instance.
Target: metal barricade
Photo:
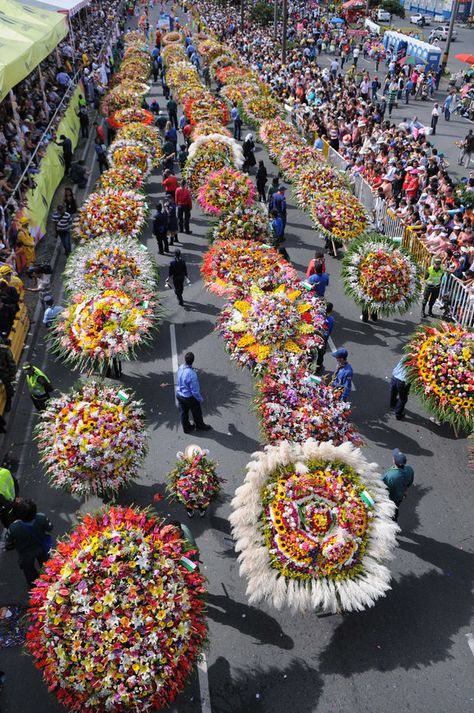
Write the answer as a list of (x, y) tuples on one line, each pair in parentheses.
[(458, 300), (411, 241), (392, 226), (336, 160)]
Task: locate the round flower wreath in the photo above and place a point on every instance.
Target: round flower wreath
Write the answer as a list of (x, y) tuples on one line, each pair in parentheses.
[(132, 115), (205, 128), (380, 276), (193, 481), (171, 38), (257, 109), (98, 326), (230, 267), (225, 190), (117, 615), (294, 405), (122, 178), (124, 152), (277, 135), (218, 143), (198, 168), (148, 136), (295, 158), (313, 525), (173, 53), (206, 107), (121, 97), (244, 223), (111, 213), (98, 264), (313, 182), (440, 362), (92, 440), (274, 324), (338, 214)]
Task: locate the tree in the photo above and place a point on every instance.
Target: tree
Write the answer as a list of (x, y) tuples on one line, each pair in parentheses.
[(394, 7), (262, 12)]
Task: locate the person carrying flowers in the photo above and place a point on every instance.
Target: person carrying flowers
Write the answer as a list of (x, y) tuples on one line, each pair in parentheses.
[(342, 377), (193, 481)]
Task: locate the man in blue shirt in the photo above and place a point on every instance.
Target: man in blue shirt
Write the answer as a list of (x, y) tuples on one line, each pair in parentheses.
[(398, 479), (319, 280), (277, 228), (189, 396), (399, 389), (342, 377), (235, 116), (278, 203)]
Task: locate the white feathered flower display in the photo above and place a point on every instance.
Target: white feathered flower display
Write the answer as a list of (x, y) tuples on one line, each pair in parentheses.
[(313, 525)]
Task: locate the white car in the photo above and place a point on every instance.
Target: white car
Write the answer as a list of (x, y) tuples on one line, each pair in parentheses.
[(420, 20), (383, 16), (441, 33)]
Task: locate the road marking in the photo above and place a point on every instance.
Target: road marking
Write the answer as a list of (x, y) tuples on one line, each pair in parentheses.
[(205, 695), (470, 642), (333, 349), (174, 357)]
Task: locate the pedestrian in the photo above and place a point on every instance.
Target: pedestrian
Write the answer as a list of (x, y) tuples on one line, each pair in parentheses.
[(184, 203), (42, 277), (392, 96), (29, 535), (170, 184), (248, 147), (101, 153), (99, 132), (342, 377), (279, 204), (9, 490), (178, 273), (277, 229), (467, 148), (160, 229), (433, 276), (39, 386), (398, 478), (318, 259), (434, 118), (355, 56), (189, 397), (83, 121), (261, 181), (69, 202), (447, 107), (172, 111), (7, 371), (328, 326), (399, 389), (182, 156), (271, 192), (319, 280), (235, 116), (51, 311), (62, 221), (66, 145), (170, 210)]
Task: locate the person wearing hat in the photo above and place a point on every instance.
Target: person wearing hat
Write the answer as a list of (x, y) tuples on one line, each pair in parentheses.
[(398, 478), (342, 377), (433, 276), (26, 240), (178, 272), (7, 275), (279, 204), (39, 386), (51, 311)]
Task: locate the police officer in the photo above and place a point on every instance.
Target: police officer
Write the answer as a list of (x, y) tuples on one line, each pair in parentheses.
[(433, 277), (8, 492), (39, 386), (342, 377)]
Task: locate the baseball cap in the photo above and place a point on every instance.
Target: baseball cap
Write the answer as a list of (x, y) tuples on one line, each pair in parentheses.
[(340, 353), (399, 458)]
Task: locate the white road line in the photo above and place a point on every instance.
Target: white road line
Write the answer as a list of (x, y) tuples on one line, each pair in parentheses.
[(470, 642), (333, 349), (174, 356), (205, 695)]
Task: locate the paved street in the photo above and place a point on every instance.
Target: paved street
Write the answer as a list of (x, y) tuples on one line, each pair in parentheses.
[(414, 650)]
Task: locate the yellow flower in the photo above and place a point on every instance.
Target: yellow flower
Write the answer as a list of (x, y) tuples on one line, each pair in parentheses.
[(246, 340), (291, 346)]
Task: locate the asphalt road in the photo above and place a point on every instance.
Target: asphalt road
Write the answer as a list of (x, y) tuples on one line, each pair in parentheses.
[(411, 652)]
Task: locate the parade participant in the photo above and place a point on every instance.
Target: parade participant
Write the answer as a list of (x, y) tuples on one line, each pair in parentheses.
[(319, 280), (277, 228), (29, 535), (7, 372), (327, 329), (178, 273), (318, 259), (342, 377), (278, 203), (433, 276), (160, 229), (9, 490), (184, 201), (172, 228), (189, 397), (39, 386), (261, 181), (399, 388), (51, 311), (398, 478), (235, 116), (62, 221), (170, 183)]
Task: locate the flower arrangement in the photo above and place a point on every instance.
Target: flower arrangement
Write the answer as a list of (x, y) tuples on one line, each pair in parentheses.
[(117, 616), (171, 38), (313, 525), (217, 143), (198, 168), (210, 49), (206, 108), (234, 75), (99, 264), (183, 77), (120, 97), (111, 213), (121, 178), (339, 215), (294, 405), (148, 136), (92, 440), (380, 276), (134, 69), (439, 361), (193, 481), (239, 92), (295, 158), (131, 115), (99, 326), (244, 223), (257, 109), (313, 182), (134, 38), (276, 134), (271, 325), (230, 267), (225, 190), (205, 128), (173, 53), (124, 152)]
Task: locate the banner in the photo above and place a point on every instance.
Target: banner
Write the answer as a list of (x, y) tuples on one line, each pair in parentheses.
[(38, 200)]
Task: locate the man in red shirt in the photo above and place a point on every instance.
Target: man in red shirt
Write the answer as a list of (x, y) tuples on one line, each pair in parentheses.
[(187, 130), (99, 132), (170, 183), (184, 202)]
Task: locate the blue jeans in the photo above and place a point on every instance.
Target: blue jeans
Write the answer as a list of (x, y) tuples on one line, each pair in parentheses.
[(65, 238)]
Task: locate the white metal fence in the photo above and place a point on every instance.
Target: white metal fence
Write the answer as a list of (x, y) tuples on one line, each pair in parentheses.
[(458, 300)]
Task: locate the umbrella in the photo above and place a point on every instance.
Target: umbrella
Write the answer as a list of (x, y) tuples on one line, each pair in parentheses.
[(337, 21), (468, 58), (410, 59)]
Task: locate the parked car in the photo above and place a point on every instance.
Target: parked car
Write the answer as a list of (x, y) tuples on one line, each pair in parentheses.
[(420, 20), (441, 33), (383, 16)]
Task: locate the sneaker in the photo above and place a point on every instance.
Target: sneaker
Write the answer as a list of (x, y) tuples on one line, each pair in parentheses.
[(190, 513), (202, 513), (190, 429), (204, 427)]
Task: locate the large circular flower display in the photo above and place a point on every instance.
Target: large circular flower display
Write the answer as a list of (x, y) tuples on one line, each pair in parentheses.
[(380, 276), (295, 158), (124, 152), (257, 109), (218, 143), (231, 266), (273, 324), (193, 481), (98, 326), (117, 617), (122, 178), (277, 135), (123, 117), (314, 181), (313, 524), (121, 97), (148, 136), (225, 190), (111, 213), (205, 128), (244, 223), (339, 215), (294, 405), (198, 168), (206, 108), (92, 440), (100, 264), (440, 361)]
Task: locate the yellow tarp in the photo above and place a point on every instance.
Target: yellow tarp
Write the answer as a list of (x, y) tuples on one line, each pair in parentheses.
[(27, 36), (38, 200)]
